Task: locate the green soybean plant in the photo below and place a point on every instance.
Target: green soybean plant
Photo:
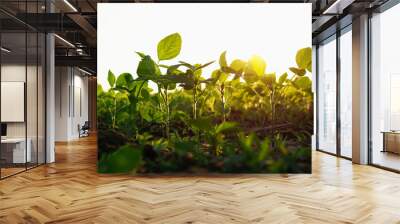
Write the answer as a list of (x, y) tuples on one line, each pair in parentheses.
[(239, 118), (148, 70)]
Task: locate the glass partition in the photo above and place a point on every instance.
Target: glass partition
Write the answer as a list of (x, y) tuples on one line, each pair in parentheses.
[(22, 77), (327, 95), (14, 153), (41, 97), (32, 95)]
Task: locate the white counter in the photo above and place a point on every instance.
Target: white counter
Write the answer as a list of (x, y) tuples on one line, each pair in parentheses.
[(19, 155)]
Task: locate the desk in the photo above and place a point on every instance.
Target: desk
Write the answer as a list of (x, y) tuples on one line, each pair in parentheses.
[(391, 141), (18, 150)]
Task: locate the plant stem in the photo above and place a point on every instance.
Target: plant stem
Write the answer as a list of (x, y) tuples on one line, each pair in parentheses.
[(168, 112), (272, 102), (115, 112), (195, 102), (140, 89), (222, 90), (159, 93)]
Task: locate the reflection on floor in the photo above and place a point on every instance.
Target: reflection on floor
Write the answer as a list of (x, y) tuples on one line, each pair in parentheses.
[(8, 170), (387, 159), (71, 191)]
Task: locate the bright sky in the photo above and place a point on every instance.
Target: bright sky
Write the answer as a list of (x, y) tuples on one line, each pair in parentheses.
[(273, 31)]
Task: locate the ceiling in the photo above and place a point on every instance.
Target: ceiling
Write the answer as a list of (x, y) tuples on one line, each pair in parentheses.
[(75, 21)]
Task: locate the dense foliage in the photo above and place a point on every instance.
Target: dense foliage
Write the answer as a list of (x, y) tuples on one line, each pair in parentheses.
[(241, 119)]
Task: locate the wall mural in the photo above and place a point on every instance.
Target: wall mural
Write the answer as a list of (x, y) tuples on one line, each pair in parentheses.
[(171, 116)]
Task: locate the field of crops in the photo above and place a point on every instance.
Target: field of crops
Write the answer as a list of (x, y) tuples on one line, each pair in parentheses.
[(240, 119)]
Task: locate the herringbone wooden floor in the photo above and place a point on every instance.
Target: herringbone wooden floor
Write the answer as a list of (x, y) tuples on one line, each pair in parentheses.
[(70, 191)]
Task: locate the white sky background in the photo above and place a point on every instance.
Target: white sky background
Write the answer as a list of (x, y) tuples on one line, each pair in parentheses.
[(273, 31)]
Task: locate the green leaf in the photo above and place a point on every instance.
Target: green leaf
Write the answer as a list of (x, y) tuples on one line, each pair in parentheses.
[(269, 79), (247, 142), (145, 93), (126, 159), (256, 65), (226, 127), (147, 68), (111, 78), (228, 70), (187, 86), (169, 47), (204, 65), (142, 55), (181, 78), (215, 75), (264, 149), (171, 86), (182, 147), (124, 81), (188, 65), (298, 71), (203, 123), (144, 113), (173, 69), (283, 78), (303, 82), (197, 71), (303, 58), (250, 77), (133, 102), (99, 89), (219, 76), (238, 66), (222, 60)]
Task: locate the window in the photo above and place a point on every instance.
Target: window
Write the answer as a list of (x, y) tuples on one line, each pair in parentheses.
[(385, 89), (327, 96), (346, 93)]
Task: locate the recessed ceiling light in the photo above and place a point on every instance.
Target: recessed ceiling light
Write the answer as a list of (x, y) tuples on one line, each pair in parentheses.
[(64, 40), (5, 50), (84, 71), (70, 5), (338, 6)]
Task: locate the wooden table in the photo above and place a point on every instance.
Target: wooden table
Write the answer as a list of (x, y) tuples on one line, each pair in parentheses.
[(391, 141)]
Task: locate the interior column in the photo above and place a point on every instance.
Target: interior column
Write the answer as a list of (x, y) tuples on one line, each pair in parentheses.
[(360, 90)]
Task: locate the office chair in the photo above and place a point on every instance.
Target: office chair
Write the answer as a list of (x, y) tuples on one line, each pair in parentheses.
[(84, 130)]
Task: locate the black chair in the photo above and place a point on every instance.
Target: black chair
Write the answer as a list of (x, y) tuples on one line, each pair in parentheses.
[(84, 130)]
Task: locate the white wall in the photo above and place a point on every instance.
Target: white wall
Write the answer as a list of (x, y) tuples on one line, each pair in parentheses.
[(80, 110), (62, 82), (12, 73), (71, 94), (33, 127)]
